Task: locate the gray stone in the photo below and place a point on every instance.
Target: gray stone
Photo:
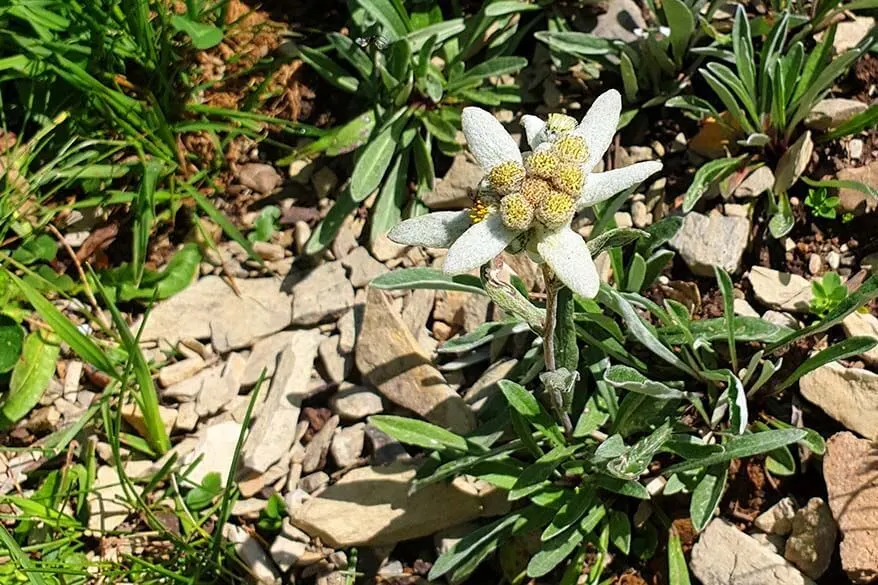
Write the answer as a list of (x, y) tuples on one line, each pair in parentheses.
[(286, 552), (315, 481), (391, 358), (724, 555), (778, 519), (260, 177), (347, 330), (324, 181), (849, 395), (865, 324), (216, 447), (619, 22), (273, 433), (323, 295), (779, 290), (850, 468), (486, 386), (812, 540), (189, 389), (774, 542), (705, 242), (268, 251), (211, 309), (853, 200), (251, 552), (180, 371), (263, 356), (347, 445), (336, 364), (831, 113), (355, 402), (363, 267), (372, 506), (781, 318), (318, 446), (640, 215), (218, 392), (187, 417), (756, 183), (107, 501), (452, 190)]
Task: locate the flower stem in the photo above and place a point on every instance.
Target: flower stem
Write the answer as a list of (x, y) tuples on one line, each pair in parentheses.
[(552, 286)]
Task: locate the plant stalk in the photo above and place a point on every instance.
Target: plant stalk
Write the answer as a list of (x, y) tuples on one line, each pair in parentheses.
[(552, 286)]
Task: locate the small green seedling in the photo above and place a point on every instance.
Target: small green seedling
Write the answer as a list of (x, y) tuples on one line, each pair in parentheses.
[(821, 203), (828, 293)]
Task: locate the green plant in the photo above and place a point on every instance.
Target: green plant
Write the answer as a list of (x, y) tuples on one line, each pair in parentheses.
[(828, 293), (265, 225), (821, 203), (625, 385), (766, 98), (656, 65), (414, 74)]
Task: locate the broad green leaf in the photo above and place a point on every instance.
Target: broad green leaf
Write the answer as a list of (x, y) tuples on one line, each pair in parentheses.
[(615, 238), (624, 487), (373, 163), (844, 349), (329, 69), (630, 379), (682, 24), (419, 433), (203, 35), (860, 122), (351, 136), (742, 47), (566, 346), (629, 76), (711, 172), (746, 329), (442, 31), (577, 44), (591, 419), (30, 377), (348, 50), (526, 405), (725, 95), (481, 335), (176, 276), (504, 7), (394, 22), (620, 528), (11, 342), (658, 234), (535, 475), (725, 287), (490, 68), (554, 551), (430, 278), (570, 513), (742, 446), (707, 494), (678, 571), (80, 343), (387, 209), (636, 273)]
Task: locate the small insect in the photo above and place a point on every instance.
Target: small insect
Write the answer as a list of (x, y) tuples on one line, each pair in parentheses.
[(375, 41)]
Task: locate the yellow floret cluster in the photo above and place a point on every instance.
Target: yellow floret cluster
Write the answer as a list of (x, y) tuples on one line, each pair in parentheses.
[(545, 189)]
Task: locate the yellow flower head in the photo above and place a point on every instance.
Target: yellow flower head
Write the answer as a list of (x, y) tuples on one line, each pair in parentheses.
[(517, 213), (542, 164), (535, 190), (559, 123), (570, 179), (556, 210), (572, 149), (505, 177), (479, 211)]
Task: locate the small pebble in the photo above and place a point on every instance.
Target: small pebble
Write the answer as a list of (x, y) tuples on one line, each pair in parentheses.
[(815, 263), (833, 259), (855, 149)]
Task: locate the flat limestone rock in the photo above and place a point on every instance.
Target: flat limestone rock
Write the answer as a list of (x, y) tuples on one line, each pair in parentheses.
[(850, 468), (210, 309), (216, 450), (724, 555), (392, 359), (326, 293), (865, 324), (716, 240), (849, 395), (371, 506), (779, 290), (273, 433), (106, 502)]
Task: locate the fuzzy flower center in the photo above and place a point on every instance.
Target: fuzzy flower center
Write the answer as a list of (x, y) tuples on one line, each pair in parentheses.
[(542, 192)]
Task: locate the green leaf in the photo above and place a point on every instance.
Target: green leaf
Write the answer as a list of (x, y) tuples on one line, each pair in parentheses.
[(658, 234), (387, 210), (11, 342), (844, 349), (843, 184), (577, 44), (553, 552), (327, 229), (80, 343), (534, 476), (490, 68), (624, 487), (715, 170), (526, 404), (615, 238), (442, 31), (566, 347), (636, 273), (742, 446), (176, 276), (203, 35), (394, 22), (678, 571), (620, 528), (373, 163), (863, 120), (430, 278), (725, 287), (628, 378), (591, 419), (30, 377), (417, 432), (742, 47), (707, 494), (265, 225), (746, 329), (682, 24), (348, 50), (219, 218), (629, 76), (570, 513), (201, 496)]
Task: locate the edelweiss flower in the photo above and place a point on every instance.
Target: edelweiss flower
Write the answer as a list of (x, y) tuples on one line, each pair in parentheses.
[(526, 202)]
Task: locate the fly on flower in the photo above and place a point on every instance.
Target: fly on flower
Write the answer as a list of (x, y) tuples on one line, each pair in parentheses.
[(526, 201)]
